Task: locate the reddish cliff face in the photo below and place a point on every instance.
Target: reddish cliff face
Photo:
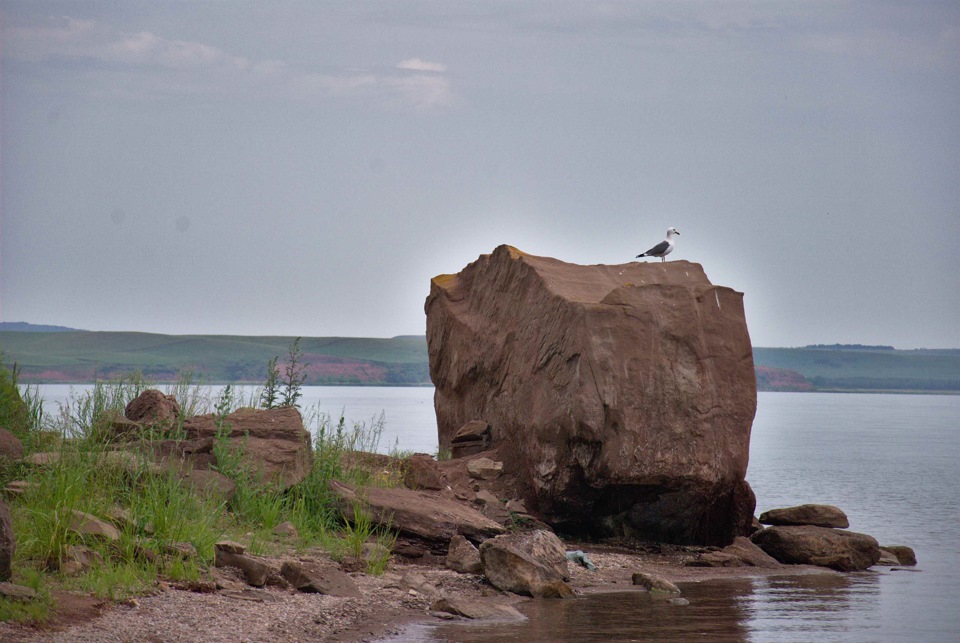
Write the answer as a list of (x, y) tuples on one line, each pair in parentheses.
[(620, 398)]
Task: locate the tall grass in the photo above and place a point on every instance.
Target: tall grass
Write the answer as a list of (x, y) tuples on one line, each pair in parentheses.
[(159, 509)]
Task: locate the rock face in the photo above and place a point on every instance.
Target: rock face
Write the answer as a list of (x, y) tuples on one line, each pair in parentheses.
[(272, 441), (617, 395), (845, 551)]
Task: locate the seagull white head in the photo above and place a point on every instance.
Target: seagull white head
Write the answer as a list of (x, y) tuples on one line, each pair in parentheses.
[(671, 231)]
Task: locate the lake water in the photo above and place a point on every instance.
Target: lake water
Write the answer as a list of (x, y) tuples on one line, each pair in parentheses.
[(891, 462)]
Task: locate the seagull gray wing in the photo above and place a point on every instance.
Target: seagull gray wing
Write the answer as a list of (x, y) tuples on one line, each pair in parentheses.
[(657, 250)]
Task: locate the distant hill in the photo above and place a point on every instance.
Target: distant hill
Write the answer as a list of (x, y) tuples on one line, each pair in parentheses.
[(84, 356), (25, 327), (860, 368)]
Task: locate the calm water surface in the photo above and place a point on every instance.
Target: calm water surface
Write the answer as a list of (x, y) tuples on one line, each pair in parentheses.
[(891, 462)]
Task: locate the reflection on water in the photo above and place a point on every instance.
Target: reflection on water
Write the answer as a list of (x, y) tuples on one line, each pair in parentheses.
[(803, 608)]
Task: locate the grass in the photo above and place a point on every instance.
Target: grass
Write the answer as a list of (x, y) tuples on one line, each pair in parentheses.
[(155, 511)]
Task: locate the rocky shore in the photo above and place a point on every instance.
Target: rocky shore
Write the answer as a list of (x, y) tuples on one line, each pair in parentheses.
[(408, 592)]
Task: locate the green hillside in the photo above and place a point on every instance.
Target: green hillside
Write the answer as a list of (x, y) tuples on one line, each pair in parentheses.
[(81, 356), (85, 356), (853, 369)]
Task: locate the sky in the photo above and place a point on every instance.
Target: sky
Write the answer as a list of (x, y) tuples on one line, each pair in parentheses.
[(305, 168)]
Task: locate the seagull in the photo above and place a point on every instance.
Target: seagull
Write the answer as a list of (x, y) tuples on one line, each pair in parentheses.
[(663, 248)]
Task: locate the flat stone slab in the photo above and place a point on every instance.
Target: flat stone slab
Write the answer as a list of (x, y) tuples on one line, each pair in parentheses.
[(415, 512), (810, 514)]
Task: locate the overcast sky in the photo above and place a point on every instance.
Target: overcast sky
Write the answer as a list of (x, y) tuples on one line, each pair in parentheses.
[(305, 168)]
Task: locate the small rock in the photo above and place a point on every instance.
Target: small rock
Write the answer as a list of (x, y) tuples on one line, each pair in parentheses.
[(286, 529), (417, 581), (887, 558), (312, 579), (88, 525), (17, 592), (10, 446), (654, 584), (17, 488), (181, 550), (484, 468), (253, 570), (121, 518), (374, 552), (77, 559), (516, 506), (484, 497), (42, 459), (473, 609), (463, 556), (229, 547), (904, 554)]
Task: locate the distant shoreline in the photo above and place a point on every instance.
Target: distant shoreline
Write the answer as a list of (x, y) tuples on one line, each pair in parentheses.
[(80, 357)]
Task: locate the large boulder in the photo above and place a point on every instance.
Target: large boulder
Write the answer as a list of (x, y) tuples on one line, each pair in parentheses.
[(616, 395), (845, 551), (272, 443), (532, 563)]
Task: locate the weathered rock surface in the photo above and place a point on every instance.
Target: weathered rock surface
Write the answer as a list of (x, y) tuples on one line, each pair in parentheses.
[(905, 555), (623, 392), (273, 442), (153, 408), (532, 563), (17, 592), (88, 525), (254, 571), (8, 542), (838, 549), (415, 512), (420, 471), (211, 484), (473, 437), (314, 579), (655, 584), (476, 609), (484, 468), (10, 446), (817, 515), (463, 556), (77, 559), (741, 553)]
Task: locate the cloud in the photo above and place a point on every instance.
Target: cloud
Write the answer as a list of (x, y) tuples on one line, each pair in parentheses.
[(151, 65), (415, 64)]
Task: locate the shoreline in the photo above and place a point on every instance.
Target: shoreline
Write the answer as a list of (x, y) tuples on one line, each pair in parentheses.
[(389, 605)]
